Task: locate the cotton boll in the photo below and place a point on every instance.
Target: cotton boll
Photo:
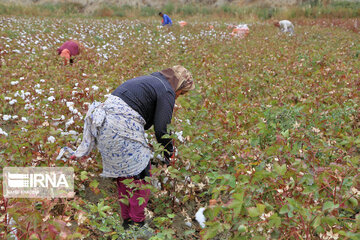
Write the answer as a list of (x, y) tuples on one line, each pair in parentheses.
[(73, 110), (39, 91), (68, 123), (188, 224), (13, 83), (155, 182), (24, 119), (200, 218), (52, 98), (28, 106), (12, 102), (165, 180), (95, 88), (51, 139), (179, 136), (69, 104), (72, 132), (2, 132)]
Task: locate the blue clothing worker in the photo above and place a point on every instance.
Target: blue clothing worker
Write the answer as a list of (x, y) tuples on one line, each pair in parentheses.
[(166, 19)]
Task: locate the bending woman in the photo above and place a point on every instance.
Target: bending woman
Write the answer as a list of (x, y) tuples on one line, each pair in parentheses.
[(118, 126), (70, 49)]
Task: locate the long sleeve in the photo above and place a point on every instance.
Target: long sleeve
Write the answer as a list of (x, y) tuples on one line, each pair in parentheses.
[(163, 114), (167, 20)]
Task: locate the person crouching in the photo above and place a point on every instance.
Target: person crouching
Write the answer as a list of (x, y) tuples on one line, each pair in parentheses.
[(68, 50), (285, 26)]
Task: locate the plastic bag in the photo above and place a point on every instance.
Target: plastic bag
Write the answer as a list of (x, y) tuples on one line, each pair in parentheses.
[(182, 23), (240, 31)]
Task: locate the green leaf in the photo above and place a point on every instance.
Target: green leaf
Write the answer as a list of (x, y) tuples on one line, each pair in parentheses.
[(354, 202), (237, 206), (237, 203), (316, 222), (284, 209), (331, 221), (253, 211), (274, 220), (308, 179), (195, 178), (329, 205), (212, 231), (102, 214), (261, 208), (100, 204), (241, 228), (105, 208), (141, 200), (127, 181), (125, 201), (83, 175), (239, 196), (285, 133), (281, 170), (94, 184), (171, 215), (104, 229)]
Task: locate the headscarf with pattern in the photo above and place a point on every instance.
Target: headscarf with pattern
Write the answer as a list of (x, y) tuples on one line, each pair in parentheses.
[(179, 78)]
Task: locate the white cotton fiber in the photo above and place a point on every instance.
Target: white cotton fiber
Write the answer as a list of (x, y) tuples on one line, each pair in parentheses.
[(51, 139), (188, 224), (2, 132), (180, 136), (199, 216)]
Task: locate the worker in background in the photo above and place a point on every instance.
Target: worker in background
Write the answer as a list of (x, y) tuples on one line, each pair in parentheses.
[(70, 49), (285, 26), (166, 20)]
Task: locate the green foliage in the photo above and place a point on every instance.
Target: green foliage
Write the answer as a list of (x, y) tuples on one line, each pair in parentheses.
[(310, 9), (188, 10), (265, 12), (169, 8), (148, 11)]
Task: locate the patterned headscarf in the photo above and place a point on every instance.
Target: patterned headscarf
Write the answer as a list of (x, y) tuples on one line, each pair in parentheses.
[(179, 77)]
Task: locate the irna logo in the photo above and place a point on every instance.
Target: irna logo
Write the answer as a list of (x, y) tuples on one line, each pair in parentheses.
[(38, 182), (16, 180)]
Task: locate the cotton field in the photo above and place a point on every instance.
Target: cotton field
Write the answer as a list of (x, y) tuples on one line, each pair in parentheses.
[(267, 144)]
